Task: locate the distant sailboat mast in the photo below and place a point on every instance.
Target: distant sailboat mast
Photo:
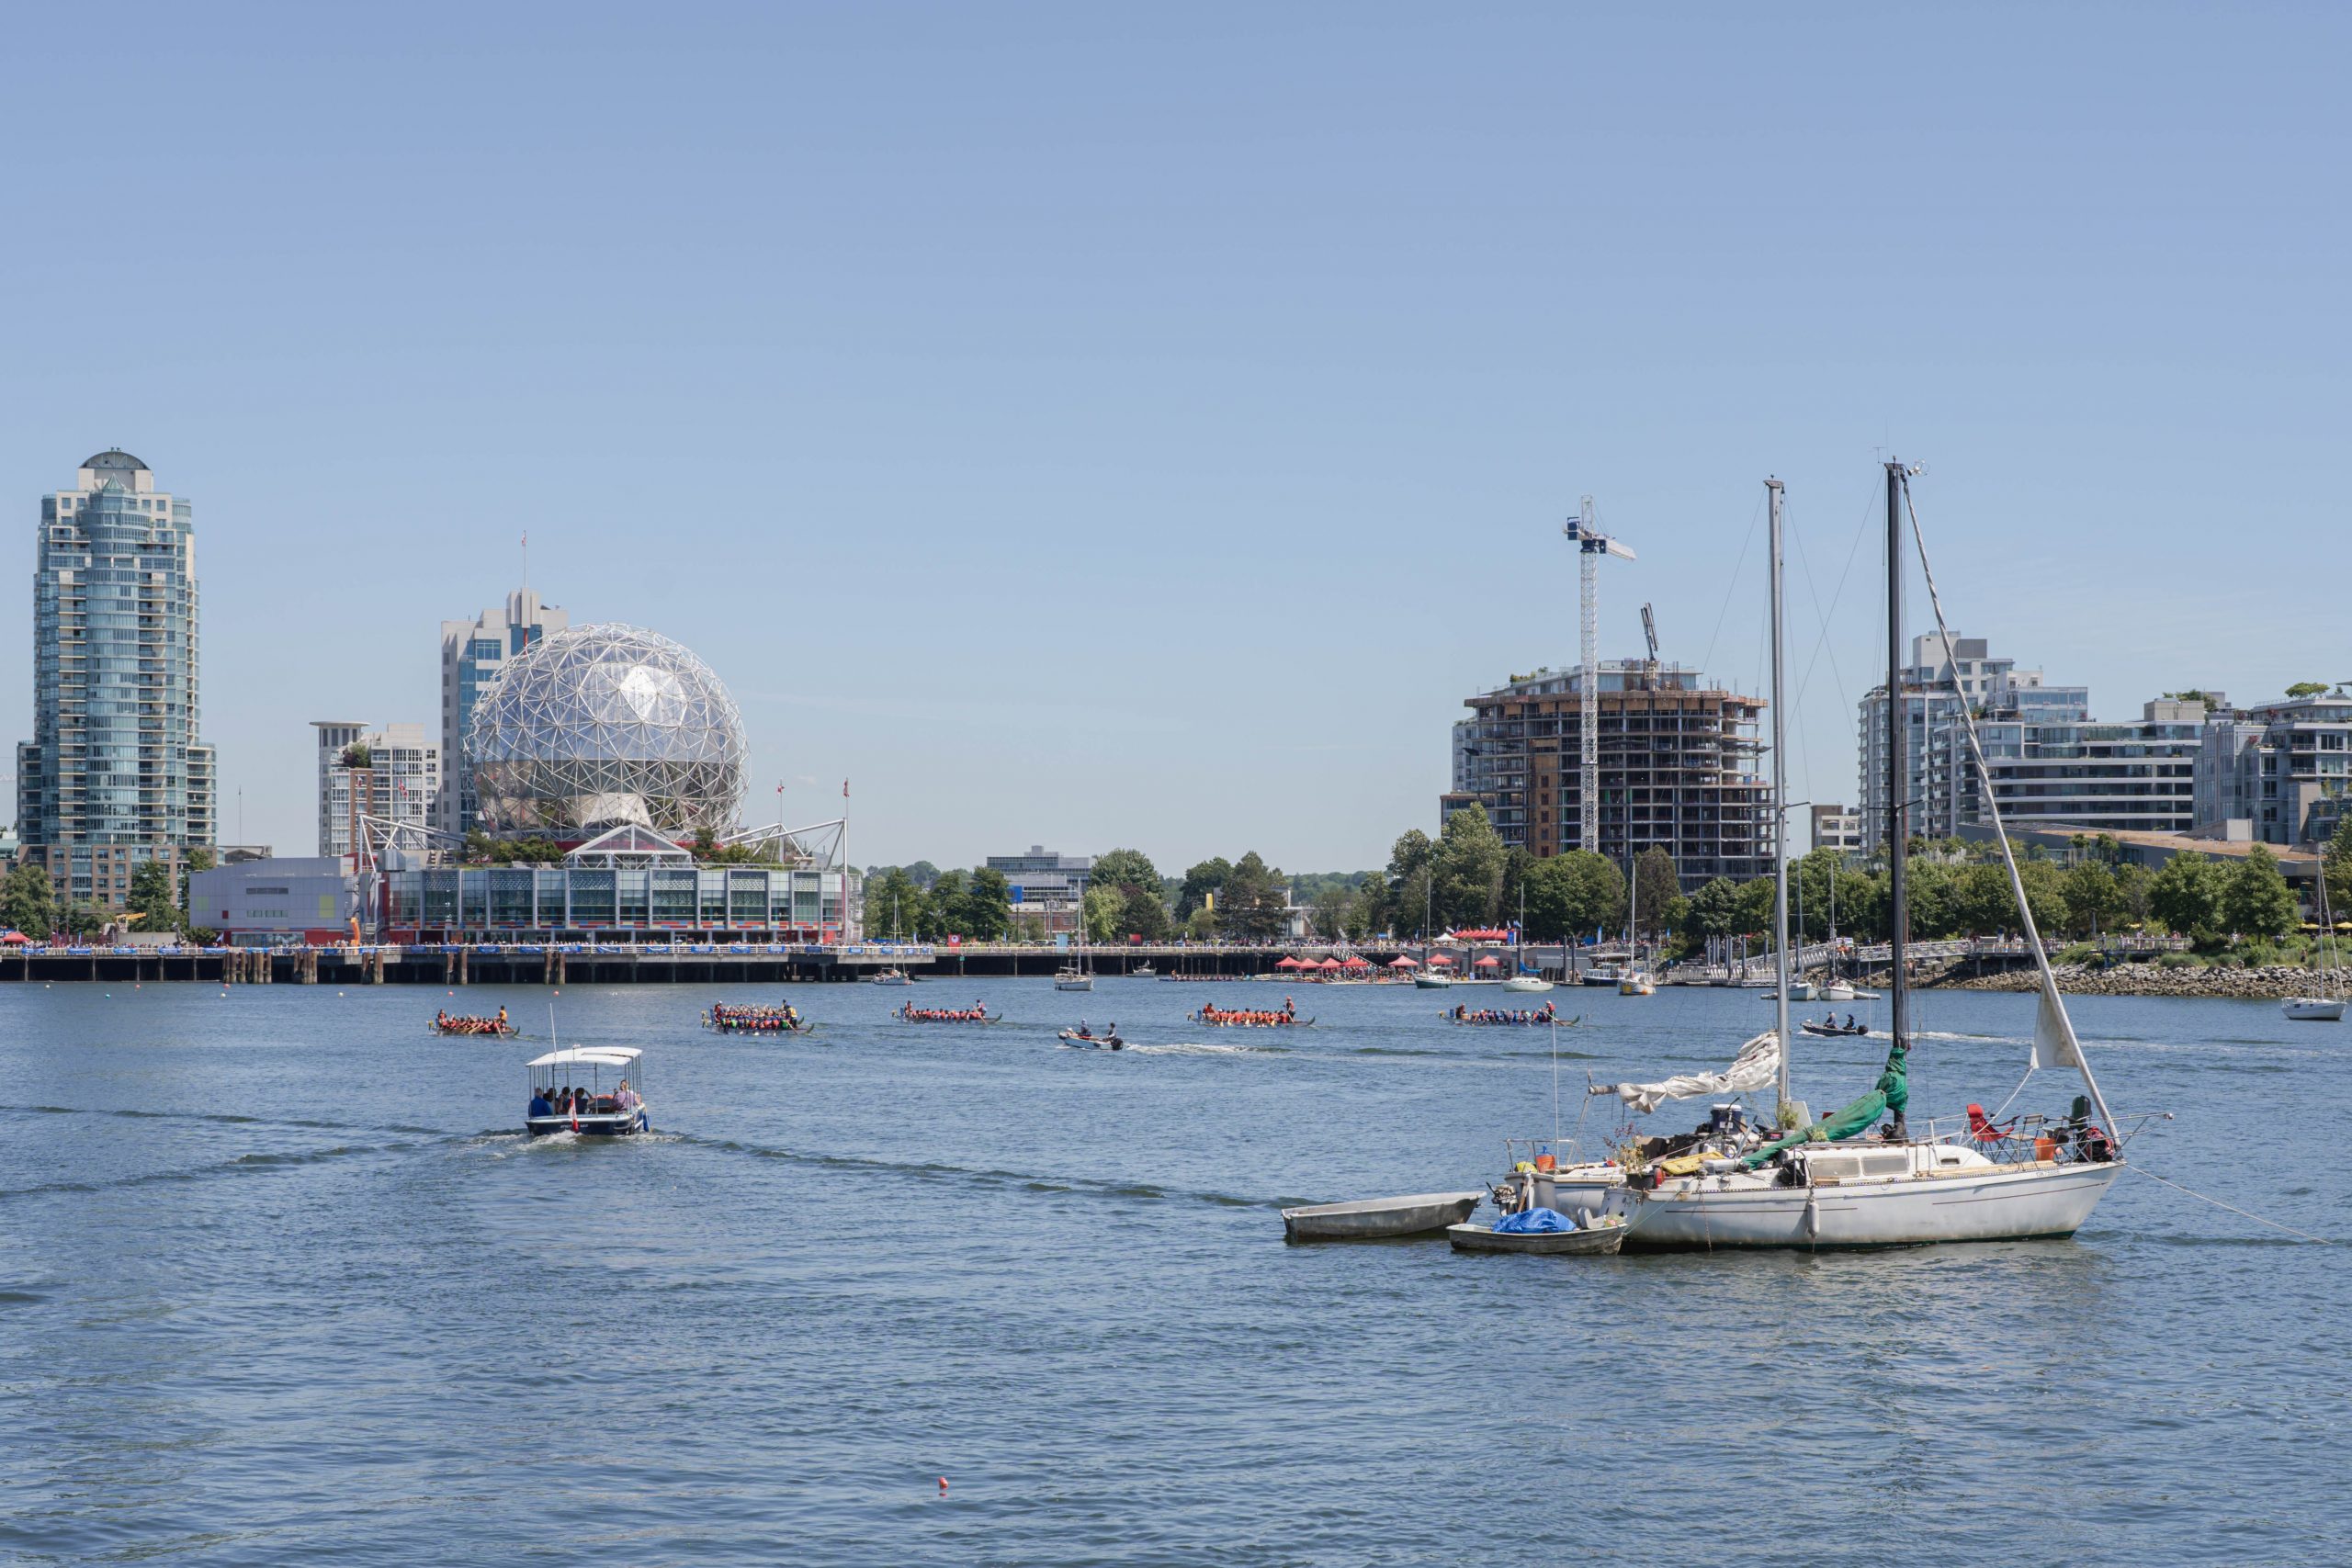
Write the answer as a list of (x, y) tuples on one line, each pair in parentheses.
[(1780, 809)]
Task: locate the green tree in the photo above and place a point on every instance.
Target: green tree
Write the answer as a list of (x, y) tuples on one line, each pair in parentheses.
[(1249, 906), (1332, 906), (2185, 895), (1201, 881), (1105, 908), (1410, 902), (199, 858), (2255, 899), (2337, 868), (2132, 882), (2093, 898), (1714, 907), (1124, 870), (1145, 914), (2307, 689), (28, 901), (1571, 894), (895, 906), (1468, 867), (1201, 924), (984, 910), (83, 919), (1656, 885), (1754, 905), (154, 896)]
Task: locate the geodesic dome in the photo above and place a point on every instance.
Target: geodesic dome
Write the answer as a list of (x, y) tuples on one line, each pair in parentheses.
[(605, 725)]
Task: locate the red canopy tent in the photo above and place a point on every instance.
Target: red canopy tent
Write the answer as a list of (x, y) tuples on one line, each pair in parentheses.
[(1401, 962), (1439, 958), (1490, 960), (1329, 963), (1289, 963), (1358, 961)]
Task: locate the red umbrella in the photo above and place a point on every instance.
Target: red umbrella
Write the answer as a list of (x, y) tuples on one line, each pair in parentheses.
[(1401, 962), (1356, 960), (1329, 963), (1289, 963), (1439, 958), (1488, 962)]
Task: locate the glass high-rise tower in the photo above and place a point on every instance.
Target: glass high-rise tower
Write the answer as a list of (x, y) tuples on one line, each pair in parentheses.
[(115, 774), (473, 654)]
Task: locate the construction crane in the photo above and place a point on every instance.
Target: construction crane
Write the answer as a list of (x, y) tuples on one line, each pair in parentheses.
[(1649, 632), (1583, 532)]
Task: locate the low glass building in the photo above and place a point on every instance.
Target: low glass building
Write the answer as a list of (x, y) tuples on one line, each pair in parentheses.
[(627, 886)]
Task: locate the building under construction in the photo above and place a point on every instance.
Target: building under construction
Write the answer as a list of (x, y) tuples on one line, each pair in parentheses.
[(1678, 768)]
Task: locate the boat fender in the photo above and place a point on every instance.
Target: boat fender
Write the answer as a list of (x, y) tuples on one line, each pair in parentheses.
[(1811, 1217)]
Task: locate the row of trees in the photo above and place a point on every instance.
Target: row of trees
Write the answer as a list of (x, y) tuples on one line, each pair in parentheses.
[(1125, 896), (28, 901)]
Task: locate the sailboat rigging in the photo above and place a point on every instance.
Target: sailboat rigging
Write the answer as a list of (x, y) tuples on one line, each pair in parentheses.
[(1835, 1182)]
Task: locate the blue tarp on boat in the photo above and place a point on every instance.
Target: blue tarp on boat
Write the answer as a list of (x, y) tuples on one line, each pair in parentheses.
[(1535, 1222)]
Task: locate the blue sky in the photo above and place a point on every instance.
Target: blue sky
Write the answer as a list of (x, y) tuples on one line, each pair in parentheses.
[(1100, 424)]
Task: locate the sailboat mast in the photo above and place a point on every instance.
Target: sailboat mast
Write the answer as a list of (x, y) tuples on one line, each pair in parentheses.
[(1898, 905), (1780, 802)]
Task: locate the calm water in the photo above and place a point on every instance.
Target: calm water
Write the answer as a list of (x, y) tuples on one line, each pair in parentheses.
[(279, 1282)]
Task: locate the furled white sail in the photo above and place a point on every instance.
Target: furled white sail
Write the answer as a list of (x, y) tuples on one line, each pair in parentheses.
[(1757, 1066)]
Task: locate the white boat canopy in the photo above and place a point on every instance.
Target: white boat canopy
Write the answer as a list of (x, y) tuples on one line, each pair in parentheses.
[(591, 1056)]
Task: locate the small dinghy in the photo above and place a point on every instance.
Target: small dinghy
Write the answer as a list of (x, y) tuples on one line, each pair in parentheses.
[(1833, 1030), (1605, 1234), (1092, 1042), (1376, 1218)]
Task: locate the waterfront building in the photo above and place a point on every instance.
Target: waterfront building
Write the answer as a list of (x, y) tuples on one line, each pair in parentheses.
[(1838, 827), (1677, 767), (116, 773), (2105, 778), (630, 885), (473, 653), (2280, 766), (1932, 753), (1045, 884), (393, 775), (272, 903)]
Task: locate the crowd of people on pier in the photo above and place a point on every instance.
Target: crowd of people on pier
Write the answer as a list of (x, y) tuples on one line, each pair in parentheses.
[(977, 1013), (1247, 1018), (447, 1022), (1548, 1013), (729, 1019)]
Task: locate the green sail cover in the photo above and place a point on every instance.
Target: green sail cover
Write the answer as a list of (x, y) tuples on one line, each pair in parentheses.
[(1891, 1092)]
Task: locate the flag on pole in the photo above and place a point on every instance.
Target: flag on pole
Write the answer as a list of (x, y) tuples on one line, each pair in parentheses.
[(844, 789)]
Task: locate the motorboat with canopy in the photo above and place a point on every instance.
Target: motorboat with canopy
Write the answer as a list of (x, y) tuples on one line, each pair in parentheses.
[(1845, 1180), (593, 1091)]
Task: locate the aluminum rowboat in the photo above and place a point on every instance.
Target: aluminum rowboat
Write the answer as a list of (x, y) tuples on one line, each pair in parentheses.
[(1373, 1219)]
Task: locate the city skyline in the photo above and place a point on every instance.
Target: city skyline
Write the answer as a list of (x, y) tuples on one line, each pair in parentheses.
[(1206, 420)]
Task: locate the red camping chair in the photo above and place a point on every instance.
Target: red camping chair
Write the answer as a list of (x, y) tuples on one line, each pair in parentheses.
[(1982, 1128)]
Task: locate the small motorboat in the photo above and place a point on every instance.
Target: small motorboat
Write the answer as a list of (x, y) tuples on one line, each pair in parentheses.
[(2313, 1009), (1836, 991), (1432, 982), (1605, 1234), (1799, 991), (1086, 1042), (561, 1103), (1142, 972), (1831, 1031), (1528, 984), (1603, 976), (890, 977), (1070, 978), (1376, 1218), (1636, 983)]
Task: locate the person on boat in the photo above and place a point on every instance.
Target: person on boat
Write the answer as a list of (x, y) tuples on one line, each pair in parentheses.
[(540, 1106), (1849, 1020), (625, 1098), (502, 1017)]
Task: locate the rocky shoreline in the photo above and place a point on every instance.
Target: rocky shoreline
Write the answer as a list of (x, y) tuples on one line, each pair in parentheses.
[(2266, 984)]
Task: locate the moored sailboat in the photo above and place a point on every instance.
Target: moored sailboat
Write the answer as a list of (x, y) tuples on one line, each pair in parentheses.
[(1837, 1183)]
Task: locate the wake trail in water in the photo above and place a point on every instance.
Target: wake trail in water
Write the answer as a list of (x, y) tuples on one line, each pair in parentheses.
[(982, 1176)]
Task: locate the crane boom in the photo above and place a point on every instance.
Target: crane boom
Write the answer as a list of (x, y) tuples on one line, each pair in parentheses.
[(1583, 530)]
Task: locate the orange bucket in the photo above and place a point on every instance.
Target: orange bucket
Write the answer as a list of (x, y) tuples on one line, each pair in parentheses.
[(1545, 1162), (2045, 1148)]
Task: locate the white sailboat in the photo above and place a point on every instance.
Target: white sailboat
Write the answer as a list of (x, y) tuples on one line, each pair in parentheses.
[(1837, 1183), (1077, 975), (1634, 980), (2328, 1006)]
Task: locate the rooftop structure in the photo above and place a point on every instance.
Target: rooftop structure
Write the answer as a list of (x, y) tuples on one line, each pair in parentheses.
[(2286, 767)]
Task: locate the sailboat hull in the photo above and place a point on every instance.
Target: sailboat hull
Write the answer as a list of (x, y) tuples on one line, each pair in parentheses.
[(2004, 1203)]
